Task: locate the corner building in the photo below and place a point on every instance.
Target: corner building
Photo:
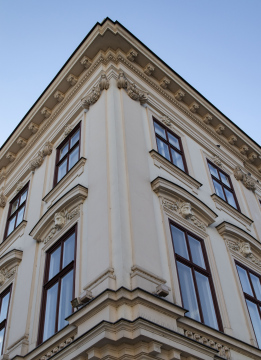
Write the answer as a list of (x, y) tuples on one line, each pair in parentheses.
[(130, 217)]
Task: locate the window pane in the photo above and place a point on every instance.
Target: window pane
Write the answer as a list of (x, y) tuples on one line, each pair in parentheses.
[(160, 130), (213, 171), (173, 141), (64, 150), (256, 321), (218, 189), (20, 216), (225, 179), (54, 263), (188, 291), (75, 138), (2, 334), (15, 205), (73, 157), (11, 225), (4, 307), (206, 300), (177, 159), (163, 149), (23, 197), (230, 198), (62, 169), (50, 312), (256, 285), (196, 252), (65, 307), (244, 280), (68, 250), (179, 240)]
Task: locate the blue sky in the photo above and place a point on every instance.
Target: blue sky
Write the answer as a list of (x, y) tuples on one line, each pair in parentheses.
[(215, 45)]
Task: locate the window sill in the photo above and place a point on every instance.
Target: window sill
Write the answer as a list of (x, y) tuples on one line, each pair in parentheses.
[(230, 210), (172, 169), (75, 171), (13, 236)]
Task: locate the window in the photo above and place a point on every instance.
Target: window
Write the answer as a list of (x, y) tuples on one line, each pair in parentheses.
[(16, 211), (4, 307), (58, 288), (223, 186), (195, 280), (68, 153), (251, 286), (169, 145)]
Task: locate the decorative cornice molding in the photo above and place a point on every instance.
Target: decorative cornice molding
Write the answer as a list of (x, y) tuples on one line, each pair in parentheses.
[(194, 107), (232, 140), (21, 142), (86, 62), (148, 70), (131, 55), (207, 119), (8, 265), (46, 112), (33, 127), (95, 94), (164, 82), (220, 129), (59, 96), (246, 179), (10, 156), (179, 94), (72, 79), (252, 157), (244, 149)]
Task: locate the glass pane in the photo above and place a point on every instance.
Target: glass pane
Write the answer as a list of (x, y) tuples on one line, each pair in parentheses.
[(68, 250), (177, 159), (160, 130), (62, 169), (4, 307), (73, 157), (54, 263), (179, 241), (50, 312), (256, 321), (75, 138), (213, 171), (65, 307), (256, 285), (196, 252), (206, 300), (173, 141), (244, 280), (225, 179), (2, 334), (188, 291), (15, 205), (20, 216), (163, 149), (64, 150), (230, 198), (11, 225), (23, 197), (219, 190)]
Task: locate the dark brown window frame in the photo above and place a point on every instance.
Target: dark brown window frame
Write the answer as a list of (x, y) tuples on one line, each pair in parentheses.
[(254, 298), (56, 279), (170, 146), (15, 213), (4, 322), (224, 186), (206, 272), (58, 161)]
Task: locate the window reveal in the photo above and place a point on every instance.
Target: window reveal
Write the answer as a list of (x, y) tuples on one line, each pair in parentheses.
[(4, 307)]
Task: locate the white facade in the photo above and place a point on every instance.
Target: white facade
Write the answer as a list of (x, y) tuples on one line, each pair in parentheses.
[(122, 195)]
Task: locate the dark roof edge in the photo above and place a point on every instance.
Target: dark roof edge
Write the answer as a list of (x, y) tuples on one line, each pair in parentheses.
[(117, 22)]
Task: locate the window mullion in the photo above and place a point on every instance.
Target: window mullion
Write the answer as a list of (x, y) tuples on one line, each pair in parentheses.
[(57, 305), (197, 294)]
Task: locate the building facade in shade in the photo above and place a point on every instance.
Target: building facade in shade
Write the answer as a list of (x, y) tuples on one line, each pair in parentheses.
[(130, 217)]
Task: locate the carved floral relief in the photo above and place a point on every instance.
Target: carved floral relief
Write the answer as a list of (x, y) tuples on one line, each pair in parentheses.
[(246, 179), (38, 160), (132, 90), (95, 94)]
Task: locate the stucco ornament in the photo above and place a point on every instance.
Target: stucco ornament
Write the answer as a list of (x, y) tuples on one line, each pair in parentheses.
[(166, 120), (2, 173), (3, 199), (238, 173), (122, 81), (244, 149), (46, 112), (92, 98), (252, 157), (220, 129), (179, 95), (232, 139), (149, 69), (72, 79), (132, 54), (59, 219), (164, 83), (38, 160), (245, 249), (217, 161), (21, 142), (104, 82), (194, 107), (59, 96), (6, 274), (86, 62), (67, 130), (207, 119), (19, 186), (246, 179), (132, 89), (33, 127), (10, 156), (185, 210)]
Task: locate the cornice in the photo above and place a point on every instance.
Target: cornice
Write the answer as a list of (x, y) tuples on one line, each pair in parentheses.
[(219, 127)]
